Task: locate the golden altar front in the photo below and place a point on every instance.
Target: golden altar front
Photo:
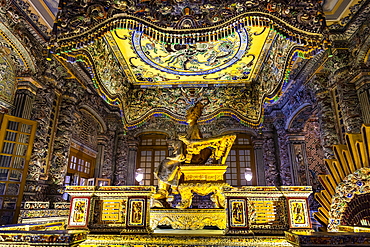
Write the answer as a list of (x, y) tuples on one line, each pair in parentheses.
[(248, 210)]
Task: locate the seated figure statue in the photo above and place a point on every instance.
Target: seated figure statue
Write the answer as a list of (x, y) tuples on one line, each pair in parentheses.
[(191, 149)]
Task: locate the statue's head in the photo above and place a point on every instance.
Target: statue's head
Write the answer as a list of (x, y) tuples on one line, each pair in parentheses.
[(194, 112)]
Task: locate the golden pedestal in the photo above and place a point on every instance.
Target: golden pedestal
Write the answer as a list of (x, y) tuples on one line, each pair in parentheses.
[(203, 180), (194, 219)]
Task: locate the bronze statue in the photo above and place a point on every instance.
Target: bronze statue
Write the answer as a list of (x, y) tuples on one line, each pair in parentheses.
[(191, 149), (168, 171)]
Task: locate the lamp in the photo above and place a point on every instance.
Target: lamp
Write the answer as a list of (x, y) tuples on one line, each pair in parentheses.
[(248, 174), (139, 175)]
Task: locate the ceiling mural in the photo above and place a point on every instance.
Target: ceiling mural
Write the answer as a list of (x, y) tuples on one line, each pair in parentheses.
[(236, 59), (230, 59)]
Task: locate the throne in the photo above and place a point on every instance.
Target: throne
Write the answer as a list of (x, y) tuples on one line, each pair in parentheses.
[(190, 170)]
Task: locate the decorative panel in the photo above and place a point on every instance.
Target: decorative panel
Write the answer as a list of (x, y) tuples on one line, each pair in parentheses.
[(298, 213), (114, 211), (267, 213), (238, 213), (113, 208), (79, 212), (137, 212)]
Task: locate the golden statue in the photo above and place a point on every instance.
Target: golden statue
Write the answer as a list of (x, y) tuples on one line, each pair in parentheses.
[(190, 155)]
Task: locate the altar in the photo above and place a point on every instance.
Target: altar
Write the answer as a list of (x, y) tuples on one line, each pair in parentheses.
[(196, 168), (248, 210)]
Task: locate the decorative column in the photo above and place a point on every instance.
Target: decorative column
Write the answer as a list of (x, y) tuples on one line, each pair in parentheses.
[(349, 103), (259, 161), (282, 152), (133, 145), (42, 114), (35, 188), (269, 156), (350, 106), (120, 174), (62, 141), (326, 116), (107, 167), (102, 142)]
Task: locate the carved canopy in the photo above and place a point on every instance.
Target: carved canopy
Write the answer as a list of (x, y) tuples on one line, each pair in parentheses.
[(152, 57)]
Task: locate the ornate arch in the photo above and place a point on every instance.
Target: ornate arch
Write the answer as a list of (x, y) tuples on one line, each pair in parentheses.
[(21, 55), (14, 60), (349, 175), (7, 83), (238, 131), (299, 113), (94, 114), (295, 115)]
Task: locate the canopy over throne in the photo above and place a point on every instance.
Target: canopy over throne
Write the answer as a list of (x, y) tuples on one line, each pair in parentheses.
[(197, 164)]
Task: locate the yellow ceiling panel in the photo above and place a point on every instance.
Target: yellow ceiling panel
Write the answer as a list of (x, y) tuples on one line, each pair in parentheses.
[(148, 61)]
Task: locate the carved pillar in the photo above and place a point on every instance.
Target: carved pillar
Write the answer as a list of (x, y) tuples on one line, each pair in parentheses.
[(107, 167), (133, 145), (269, 156), (364, 97), (259, 161), (42, 114), (298, 160), (102, 142), (350, 106), (42, 109), (282, 152), (341, 68), (120, 174), (326, 116), (62, 142)]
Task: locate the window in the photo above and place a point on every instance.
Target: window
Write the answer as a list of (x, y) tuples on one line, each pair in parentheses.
[(241, 156), (80, 168), (152, 150), (16, 139)]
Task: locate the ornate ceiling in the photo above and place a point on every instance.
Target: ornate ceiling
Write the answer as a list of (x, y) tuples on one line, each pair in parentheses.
[(156, 58)]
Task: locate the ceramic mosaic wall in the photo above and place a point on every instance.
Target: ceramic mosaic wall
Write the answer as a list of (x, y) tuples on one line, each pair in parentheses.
[(314, 153)]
